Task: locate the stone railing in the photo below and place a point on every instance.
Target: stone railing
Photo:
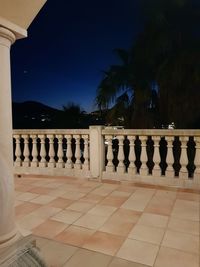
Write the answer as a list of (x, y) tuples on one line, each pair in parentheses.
[(163, 157), (51, 152)]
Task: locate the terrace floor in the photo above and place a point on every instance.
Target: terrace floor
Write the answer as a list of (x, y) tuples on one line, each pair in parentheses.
[(79, 222)]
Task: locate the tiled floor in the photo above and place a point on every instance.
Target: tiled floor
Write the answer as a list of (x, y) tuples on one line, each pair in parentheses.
[(78, 222)]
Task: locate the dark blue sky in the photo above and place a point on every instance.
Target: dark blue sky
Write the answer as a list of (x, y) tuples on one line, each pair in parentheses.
[(69, 44)]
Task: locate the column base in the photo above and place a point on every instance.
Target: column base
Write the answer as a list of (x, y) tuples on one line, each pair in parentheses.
[(8, 239)]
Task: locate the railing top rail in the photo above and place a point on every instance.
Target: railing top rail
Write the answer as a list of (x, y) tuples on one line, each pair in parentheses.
[(152, 132), (52, 131)]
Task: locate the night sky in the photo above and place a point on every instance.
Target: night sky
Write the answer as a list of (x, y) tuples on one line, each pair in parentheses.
[(69, 44)]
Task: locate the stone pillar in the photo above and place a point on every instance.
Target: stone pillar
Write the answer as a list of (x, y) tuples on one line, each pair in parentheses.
[(7, 222), (97, 152)]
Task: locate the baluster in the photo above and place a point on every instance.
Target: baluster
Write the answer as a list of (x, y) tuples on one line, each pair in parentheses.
[(197, 160), (170, 157), (156, 156), (34, 162), (77, 164), (132, 167), (110, 165), (51, 162), (86, 152), (18, 152), (183, 173), (42, 162), (143, 158), (69, 163), (26, 153), (121, 166), (60, 154)]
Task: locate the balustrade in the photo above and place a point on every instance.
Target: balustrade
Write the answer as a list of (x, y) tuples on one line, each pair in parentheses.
[(67, 152)]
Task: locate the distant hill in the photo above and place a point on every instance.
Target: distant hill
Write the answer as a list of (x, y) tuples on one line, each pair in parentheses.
[(31, 114)]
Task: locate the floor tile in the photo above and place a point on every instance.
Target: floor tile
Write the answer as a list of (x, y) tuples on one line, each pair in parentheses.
[(149, 234), (181, 241), (114, 201), (168, 257), (86, 258), (43, 199), (184, 209), (138, 251), (30, 221), (102, 210), (188, 196), (73, 195), (186, 226), (40, 190), (91, 221), (155, 220), (27, 196), (92, 198), (138, 201), (81, 206), (104, 243), (74, 235), (56, 254), (49, 229), (25, 208), (160, 205), (60, 203), (67, 216), (117, 262)]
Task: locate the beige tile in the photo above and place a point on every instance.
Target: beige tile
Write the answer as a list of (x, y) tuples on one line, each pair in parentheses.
[(186, 226), (116, 262), (104, 243), (86, 258), (138, 251), (155, 220), (168, 257), (102, 210), (160, 205), (91, 221), (114, 201), (27, 196), (184, 209), (181, 241), (81, 206), (121, 222), (56, 254), (74, 235), (120, 194), (43, 199), (57, 192), (188, 196), (139, 200), (67, 216), (73, 195), (102, 191), (30, 221), (45, 212), (40, 190), (92, 198), (40, 241), (149, 234), (60, 203), (49, 229), (25, 208)]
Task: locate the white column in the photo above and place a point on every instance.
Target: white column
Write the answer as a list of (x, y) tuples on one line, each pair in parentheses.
[(42, 162), (60, 163), (18, 152), (156, 157), (26, 161), (34, 162), (197, 160), (110, 166), (121, 166), (7, 222), (69, 163), (183, 174), (132, 167), (78, 163), (86, 152), (97, 151), (170, 157), (144, 169), (51, 162)]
